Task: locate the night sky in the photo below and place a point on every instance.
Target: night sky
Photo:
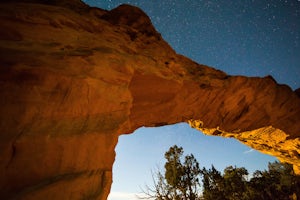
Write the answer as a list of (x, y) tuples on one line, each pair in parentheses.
[(247, 37)]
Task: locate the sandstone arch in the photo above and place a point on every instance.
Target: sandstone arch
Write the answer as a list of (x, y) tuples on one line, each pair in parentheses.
[(74, 78)]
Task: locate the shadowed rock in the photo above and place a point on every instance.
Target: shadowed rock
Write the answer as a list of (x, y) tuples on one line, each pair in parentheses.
[(74, 78)]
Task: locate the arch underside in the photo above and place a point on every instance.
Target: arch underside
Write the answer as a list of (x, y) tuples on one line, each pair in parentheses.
[(268, 140)]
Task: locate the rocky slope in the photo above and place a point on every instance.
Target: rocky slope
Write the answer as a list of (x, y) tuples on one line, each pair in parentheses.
[(74, 78)]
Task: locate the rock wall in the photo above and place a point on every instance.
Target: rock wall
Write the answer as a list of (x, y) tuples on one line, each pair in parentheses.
[(73, 78)]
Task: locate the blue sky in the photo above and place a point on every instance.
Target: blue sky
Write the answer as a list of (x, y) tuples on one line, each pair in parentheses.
[(143, 151), (247, 37)]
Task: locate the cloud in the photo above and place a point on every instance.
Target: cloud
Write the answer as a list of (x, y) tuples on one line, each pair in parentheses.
[(248, 151), (123, 196)]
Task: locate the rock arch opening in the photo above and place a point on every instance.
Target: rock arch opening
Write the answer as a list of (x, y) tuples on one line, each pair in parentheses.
[(141, 152), (73, 78)]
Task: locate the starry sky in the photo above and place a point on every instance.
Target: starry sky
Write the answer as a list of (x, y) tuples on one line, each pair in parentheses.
[(247, 37)]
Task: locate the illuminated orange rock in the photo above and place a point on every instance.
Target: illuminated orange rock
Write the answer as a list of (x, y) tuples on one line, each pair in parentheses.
[(74, 78)]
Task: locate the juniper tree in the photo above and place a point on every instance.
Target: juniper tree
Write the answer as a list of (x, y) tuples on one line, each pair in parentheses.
[(180, 180)]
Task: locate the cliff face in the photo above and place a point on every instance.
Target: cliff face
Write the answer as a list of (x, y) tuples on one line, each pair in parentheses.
[(74, 78)]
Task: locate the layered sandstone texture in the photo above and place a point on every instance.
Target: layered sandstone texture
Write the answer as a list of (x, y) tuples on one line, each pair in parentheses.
[(73, 78)]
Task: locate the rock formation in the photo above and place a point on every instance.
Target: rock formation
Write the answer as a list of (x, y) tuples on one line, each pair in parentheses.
[(73, 78)]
